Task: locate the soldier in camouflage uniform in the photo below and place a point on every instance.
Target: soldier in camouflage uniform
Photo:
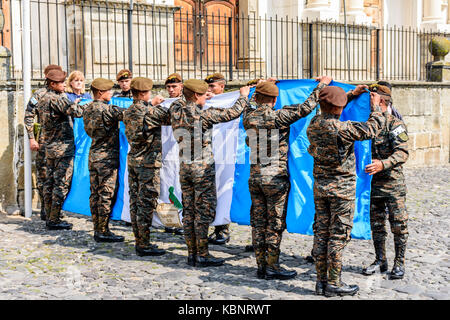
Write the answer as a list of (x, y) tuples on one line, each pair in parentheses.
[(192, 128), (268, 137), (124, 80), (36, 142), (101, 123), (55, 110), (389, 153), (332, 147), (174, 87), (144, 164), (216, 85)]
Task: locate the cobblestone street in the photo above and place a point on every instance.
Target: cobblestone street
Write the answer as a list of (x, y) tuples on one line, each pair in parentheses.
[(40, 264)]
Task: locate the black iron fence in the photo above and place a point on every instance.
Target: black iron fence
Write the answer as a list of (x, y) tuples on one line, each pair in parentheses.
[(101, 38)]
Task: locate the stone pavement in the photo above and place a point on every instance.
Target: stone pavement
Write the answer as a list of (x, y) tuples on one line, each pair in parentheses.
[(40, 264)]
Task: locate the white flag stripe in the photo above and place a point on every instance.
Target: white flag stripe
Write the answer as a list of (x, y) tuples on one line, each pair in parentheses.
[(224, 141)]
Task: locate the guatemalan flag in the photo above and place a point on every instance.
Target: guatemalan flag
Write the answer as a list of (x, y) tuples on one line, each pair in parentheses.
[(231, 156)]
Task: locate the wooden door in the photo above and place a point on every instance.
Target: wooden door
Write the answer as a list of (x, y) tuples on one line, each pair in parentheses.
[(217, 40), (202, 31), (184, 27)]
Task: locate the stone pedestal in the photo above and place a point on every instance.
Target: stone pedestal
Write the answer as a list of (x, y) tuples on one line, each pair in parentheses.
[(439, 69), (5, 64)]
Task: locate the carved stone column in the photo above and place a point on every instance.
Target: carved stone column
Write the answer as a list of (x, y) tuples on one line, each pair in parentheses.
[(320, 10)]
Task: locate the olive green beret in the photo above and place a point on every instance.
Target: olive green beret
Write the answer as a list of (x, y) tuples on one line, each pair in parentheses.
[(253, 82), (51, 67), (124, 74), (380, 89), (197, 86), (334, 96), (141, 84), (56, 75), (214, 78), (102, 84), (267, 88), (173, 78)]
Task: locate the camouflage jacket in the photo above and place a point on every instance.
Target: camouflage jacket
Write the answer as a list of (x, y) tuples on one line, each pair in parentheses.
[(31, 113), (145, 140), (192, 128), (332, 147), (101, 123), (55, 110), (391, 147), (123, 94), (268, 133)]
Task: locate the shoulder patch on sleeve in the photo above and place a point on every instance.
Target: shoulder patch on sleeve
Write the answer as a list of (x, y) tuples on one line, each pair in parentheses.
[(403, 137), (400, 132), (33, 101)]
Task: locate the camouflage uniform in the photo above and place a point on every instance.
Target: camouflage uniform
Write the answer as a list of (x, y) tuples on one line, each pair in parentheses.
[(30, 114), (192, 129), (332, 147), (269, 179), (57, 132), (144, 163), (389, 188), (101, 122)]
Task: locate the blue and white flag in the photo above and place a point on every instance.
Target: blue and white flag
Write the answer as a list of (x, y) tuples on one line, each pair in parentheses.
[(232, 165)]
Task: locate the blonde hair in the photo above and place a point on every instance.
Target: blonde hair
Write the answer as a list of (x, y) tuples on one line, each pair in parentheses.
[(73, 75)]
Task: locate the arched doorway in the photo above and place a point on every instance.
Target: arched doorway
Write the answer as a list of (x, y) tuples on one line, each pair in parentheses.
[(202, 32)]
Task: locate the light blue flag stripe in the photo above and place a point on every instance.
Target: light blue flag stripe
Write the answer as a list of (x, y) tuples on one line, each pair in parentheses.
[(78, 198), (300, 212)]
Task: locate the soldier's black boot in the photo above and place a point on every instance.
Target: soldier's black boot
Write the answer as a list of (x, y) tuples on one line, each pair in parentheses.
[(320, 288), (169, 230), (220, 236), (43, 215), (204, 259), (398, 271), (275, 271), (107, 237), (249, 248), (342, 290), (151, 250), (192, 252), (380, 264), (179, 231), (260, 255), (58, 225), (208, 261), (339, 289)]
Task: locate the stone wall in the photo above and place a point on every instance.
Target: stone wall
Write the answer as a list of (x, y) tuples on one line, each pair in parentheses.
[(425, 107)]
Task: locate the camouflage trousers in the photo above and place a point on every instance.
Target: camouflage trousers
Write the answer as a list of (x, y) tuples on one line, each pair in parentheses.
[(104, 184), (198, 184), (268, 216), (144, 189), (40, 176), (57, 184), (398, 219), (333, 222)]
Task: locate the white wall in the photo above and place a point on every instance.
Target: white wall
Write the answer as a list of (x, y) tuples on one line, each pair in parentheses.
[(403, 13)]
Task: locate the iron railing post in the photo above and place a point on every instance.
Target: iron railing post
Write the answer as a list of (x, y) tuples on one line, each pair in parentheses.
[(230, 48), (378, 54), (130, 36)]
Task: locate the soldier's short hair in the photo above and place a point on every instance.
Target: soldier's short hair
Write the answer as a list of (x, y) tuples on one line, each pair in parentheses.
[(262, 98), (188, 94)]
